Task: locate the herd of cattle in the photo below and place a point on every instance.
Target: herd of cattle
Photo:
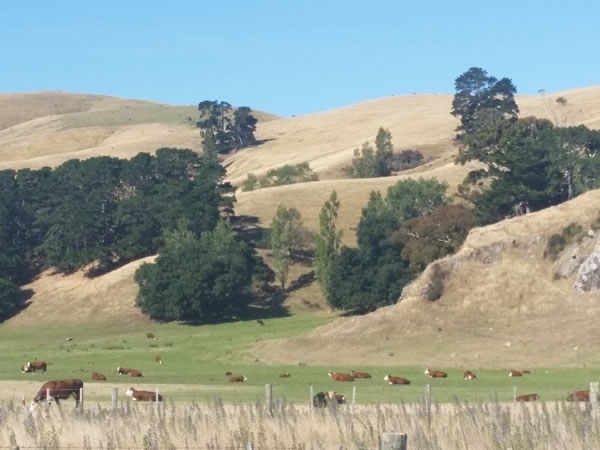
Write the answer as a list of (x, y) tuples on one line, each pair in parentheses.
[(61, 389)]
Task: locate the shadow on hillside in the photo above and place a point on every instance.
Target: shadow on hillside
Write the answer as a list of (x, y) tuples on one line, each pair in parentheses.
[(249, 231), (22, 302)]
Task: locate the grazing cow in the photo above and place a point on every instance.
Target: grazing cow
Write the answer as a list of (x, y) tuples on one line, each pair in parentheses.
[(515, 373), (238, 379), (130, 372), (396, 380), (158, 359), (143, 396), (579, 396), (285, 375), (150, 336), (58, 390), (469, 375), (356, 374), (319, 400), (259, 322), (336, 376), (98, 376), (228, 373), (334, 397), (435, 373), (527, 398), (34, 366), (322, 399)]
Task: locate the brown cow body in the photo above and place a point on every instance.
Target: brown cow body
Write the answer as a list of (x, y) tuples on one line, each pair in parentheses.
[(469, 375), (59, 390), (579, 396), (150, 336), (356, 374), (34, 366), (129, 372), (143, 396), (285, 375), (435, 373), (238, 379), (98, 376), (396, 380), (158, 359), (337, 376), (515, 373), (527, 398)]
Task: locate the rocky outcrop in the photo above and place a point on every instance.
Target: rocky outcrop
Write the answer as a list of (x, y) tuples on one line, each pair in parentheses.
[(588, 274)]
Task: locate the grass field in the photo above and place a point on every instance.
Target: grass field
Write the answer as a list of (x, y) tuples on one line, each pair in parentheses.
[(197, 357)]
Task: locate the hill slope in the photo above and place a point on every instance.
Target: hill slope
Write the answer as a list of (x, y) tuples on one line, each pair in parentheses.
[(48, 128)]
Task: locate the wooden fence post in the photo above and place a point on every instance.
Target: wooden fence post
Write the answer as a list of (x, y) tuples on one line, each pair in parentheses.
[(81, 398), (594, 395), (156, 397), (514, 393), (48, 398), (428, 407), (269, 397), (353, 395), (115, 399), (310, 393), (393, 441)]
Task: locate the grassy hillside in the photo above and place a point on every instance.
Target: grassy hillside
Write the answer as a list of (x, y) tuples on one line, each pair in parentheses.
[(491, 314)]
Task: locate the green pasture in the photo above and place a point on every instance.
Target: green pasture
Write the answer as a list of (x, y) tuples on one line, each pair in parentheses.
[(133, 115), (196, 358)]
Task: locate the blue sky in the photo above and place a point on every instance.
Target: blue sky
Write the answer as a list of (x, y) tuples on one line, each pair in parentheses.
[(293, 58)]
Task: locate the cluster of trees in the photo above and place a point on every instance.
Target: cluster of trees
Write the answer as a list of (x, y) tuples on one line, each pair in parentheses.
[(397, 236), (224, 128), (381, 161), (527, 164), (109, 211)]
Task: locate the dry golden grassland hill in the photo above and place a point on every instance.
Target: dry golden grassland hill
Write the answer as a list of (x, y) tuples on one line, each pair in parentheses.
[(489, 312)]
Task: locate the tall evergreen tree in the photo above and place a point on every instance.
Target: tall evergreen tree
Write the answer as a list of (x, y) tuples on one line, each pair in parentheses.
[(328, 241)]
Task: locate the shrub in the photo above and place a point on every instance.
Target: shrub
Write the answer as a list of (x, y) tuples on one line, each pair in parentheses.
[(558, 242), (561, 100), (406, 159), (287, 174)]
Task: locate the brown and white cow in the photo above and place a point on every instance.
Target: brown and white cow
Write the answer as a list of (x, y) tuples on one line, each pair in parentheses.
[(334, 397), (58, 390), (469, 375), (129, 372), (285, 375), (123, 370), (143, 396), (98, 376), (337, 376), (515, 373), (158, 359), (150, 336), (396, 380), (435, 373), (527, 398), (579, 396), (238, 379), (34, 366), (357, 374)]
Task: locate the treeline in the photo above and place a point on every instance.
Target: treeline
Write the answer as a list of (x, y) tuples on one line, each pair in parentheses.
[(106, 211)]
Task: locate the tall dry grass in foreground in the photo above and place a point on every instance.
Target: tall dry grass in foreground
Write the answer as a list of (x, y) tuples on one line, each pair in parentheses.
[(455, 426)]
